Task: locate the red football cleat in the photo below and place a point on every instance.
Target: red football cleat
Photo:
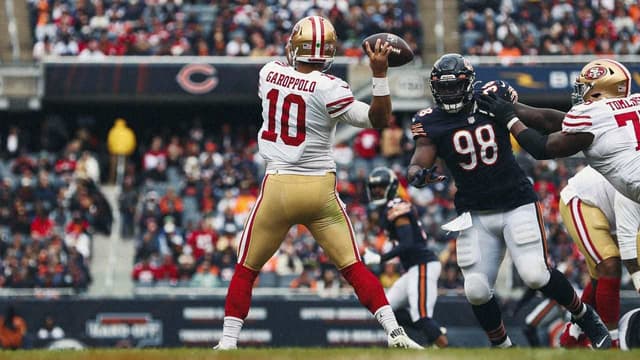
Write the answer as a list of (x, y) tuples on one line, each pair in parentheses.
[(568, 341)]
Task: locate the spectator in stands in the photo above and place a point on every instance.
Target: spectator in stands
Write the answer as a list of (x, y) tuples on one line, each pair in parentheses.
[(13, 329), (206, 276), (171, 205), (389, 274), (329, 284), (306, 280), (42, 48), (149, 243), (167, 271), (127, 202), (174, 28), (144, 272), (288, 262), (42, 225), (202, 241)]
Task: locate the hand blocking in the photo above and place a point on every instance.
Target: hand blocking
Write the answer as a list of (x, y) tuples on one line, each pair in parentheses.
[(501, 110)]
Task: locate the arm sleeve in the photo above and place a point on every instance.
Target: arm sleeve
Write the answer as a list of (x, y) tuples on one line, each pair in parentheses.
[(338, 97), (357, 115), (578, 119)]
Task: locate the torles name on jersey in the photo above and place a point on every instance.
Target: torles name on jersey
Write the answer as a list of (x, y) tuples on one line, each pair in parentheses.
[(621, 104), (291, 82)]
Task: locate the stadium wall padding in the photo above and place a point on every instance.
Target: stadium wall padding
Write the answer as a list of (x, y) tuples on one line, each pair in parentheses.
[(273, 322)]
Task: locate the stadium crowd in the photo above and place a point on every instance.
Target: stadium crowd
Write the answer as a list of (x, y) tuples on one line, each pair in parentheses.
[(93, 29), (50, 205), (186, 200), (510, 28)]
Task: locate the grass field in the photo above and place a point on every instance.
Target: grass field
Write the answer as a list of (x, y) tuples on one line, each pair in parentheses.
[(322, 354)]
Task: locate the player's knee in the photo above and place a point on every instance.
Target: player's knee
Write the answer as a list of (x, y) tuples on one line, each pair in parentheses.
[(477, 288), (610, 267), (535, 275)]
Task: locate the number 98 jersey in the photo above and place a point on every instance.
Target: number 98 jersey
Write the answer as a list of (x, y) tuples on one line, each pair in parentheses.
[(299, 113), (478, 154)]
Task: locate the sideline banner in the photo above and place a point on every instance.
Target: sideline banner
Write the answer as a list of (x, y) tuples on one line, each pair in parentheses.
[(273, 322), (130, 81)]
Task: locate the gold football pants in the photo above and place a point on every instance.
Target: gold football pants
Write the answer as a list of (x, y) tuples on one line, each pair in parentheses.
[(287, 200)]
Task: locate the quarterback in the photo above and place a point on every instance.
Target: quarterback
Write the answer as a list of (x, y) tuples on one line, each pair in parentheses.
[(301, 106)]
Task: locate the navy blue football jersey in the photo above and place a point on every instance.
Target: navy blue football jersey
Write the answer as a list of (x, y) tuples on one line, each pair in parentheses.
[(412, 251), (478, 154)]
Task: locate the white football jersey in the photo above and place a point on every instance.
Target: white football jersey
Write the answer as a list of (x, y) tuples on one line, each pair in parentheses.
[(299, 118), (615, 151), (593, 189)]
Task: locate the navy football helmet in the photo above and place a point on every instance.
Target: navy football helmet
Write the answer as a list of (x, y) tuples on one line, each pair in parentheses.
[(382, 186), (452, 79)]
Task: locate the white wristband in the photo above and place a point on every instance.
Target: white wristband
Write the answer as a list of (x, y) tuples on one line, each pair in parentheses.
[(380, 86), (511, 122), (635, 278)]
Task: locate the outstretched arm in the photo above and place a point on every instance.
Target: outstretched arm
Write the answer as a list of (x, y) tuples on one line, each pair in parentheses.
[(555, 145), (544, 120)]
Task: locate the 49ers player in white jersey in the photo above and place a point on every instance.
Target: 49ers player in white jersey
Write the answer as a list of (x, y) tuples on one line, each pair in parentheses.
[(604, 123), (301, 107)]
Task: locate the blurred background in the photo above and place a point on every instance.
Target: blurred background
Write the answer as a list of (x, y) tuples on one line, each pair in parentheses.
[(128, 159)]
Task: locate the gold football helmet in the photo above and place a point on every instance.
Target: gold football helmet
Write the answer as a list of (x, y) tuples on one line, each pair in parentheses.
[(313, 40), (601, 79)]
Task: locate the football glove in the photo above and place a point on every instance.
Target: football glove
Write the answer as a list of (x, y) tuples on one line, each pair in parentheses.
[(426, 176), (370, 257), (501, 110), (499, 87)]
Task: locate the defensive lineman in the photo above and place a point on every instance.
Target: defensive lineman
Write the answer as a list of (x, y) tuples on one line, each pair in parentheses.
[(496, 203)]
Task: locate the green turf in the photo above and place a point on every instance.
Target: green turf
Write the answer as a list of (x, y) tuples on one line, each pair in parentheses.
[(322, 354)]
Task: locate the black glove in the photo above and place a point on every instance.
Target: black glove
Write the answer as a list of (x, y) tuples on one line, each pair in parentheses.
[(502, 111), (426, 176), (500, 87)]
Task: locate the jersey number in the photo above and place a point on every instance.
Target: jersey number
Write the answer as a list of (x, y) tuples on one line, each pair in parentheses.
[(465, 144), (632, 116), (300, 132)]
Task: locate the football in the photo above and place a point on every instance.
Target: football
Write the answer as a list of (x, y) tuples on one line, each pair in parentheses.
[(400, 53)]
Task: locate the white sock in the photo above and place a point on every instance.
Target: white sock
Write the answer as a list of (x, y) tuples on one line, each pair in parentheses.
[(231, 331), (506, 343), (386, 318), (614, 334)]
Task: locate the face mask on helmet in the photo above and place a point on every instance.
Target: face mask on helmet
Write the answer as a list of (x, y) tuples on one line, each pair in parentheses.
[(579, 90), (452, 93), (382, 186), (451, 81)]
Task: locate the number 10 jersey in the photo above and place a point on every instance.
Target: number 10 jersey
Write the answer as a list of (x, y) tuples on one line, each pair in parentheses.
[(299, 116)]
